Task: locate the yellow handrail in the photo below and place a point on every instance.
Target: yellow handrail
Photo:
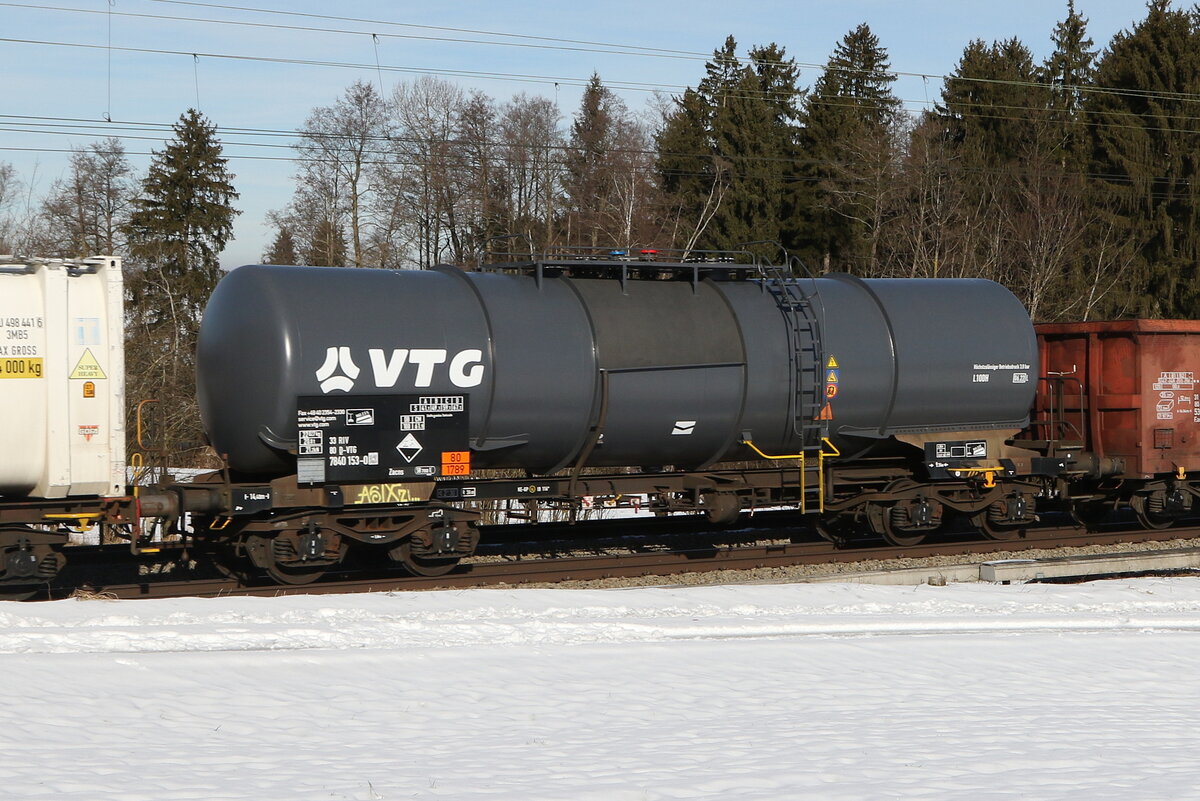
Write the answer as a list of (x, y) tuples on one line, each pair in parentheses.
[(137, 463), (754, 448), (821, 467), (821, 454)]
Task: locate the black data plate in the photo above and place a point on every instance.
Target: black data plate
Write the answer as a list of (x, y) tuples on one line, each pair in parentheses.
[(372, 438)]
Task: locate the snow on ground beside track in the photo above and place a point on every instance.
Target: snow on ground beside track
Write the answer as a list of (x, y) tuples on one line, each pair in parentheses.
[(831, 691)]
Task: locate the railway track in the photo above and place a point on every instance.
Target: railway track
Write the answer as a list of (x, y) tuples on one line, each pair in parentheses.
[(509, 561)]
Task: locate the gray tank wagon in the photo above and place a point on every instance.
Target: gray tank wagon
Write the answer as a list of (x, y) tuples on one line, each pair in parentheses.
[(618, 369), (357, 411)]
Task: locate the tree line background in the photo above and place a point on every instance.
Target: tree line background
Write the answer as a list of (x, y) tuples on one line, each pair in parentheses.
[(1072, 181)]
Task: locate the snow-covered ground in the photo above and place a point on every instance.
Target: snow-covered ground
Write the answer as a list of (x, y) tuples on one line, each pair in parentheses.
[(831, 691)]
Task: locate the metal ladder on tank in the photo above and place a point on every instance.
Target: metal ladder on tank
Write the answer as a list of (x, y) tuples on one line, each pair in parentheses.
[(806, 355)]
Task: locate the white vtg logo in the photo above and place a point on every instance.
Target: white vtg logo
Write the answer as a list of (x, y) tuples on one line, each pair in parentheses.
[(339, 371)]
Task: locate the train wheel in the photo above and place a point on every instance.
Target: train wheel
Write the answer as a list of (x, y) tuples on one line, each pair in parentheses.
[(1007, 518), (424, 566), (894, 535), (437, 549), (27, 562), (994, 530), (1091, 514), (994, 522), (296, 557), (903, 523), (838, 529), (296, 576), (1147, 509)]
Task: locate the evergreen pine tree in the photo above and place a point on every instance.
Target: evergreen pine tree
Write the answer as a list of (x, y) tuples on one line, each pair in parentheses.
[(182, 221), (726, 156), (685, 168), (754, 135), (850, 148), (589, 144), (994, 110), (181, 224), (1145, 131), (327, 246), (1069, 71), (745, 163), (604, 174), (693, 181), (995, 102), (283, 248)]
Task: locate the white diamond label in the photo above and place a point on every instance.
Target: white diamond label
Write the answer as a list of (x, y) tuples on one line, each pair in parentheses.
[(409, 447)]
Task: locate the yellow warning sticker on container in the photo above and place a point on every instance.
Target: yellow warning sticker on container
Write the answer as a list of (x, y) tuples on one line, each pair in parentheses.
[(21, 368), (87, 367), (832, 364)]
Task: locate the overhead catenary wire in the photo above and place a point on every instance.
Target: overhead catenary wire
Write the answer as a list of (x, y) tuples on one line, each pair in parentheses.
[(391, 157), (393, 137), (518, 77), (108, 107), (636, 49), (462, 73), (522, 36), (611, 49), (475, 74), (566, 44), (379, 157)]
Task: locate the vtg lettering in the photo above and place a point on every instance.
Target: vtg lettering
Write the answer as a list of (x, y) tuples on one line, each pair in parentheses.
[(465, 368)]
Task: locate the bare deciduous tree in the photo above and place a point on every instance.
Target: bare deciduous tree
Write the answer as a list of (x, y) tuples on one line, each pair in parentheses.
[(338, 146), (85, 212), (423, 182), (531, 168)]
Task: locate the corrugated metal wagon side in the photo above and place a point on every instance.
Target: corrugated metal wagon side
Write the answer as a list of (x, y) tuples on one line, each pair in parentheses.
[(1127, 389)]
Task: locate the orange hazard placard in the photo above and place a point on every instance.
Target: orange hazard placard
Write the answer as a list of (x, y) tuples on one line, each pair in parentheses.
[(456, 463)]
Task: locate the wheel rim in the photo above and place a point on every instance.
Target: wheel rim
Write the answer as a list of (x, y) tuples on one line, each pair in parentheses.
[(295, 577), (426, 568), (994, 531), (293, 572), (898, 536), (1138, 503)]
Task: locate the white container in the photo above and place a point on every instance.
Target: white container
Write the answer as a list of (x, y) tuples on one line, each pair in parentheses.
[(62, 378)]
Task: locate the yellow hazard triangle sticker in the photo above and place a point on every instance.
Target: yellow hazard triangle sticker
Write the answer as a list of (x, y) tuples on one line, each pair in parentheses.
[(832, 363), (87, 367)]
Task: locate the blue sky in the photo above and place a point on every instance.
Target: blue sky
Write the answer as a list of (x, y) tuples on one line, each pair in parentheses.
[(54, 96)]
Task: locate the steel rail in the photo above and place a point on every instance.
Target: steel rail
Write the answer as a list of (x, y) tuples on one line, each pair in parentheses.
[(557, 569)]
